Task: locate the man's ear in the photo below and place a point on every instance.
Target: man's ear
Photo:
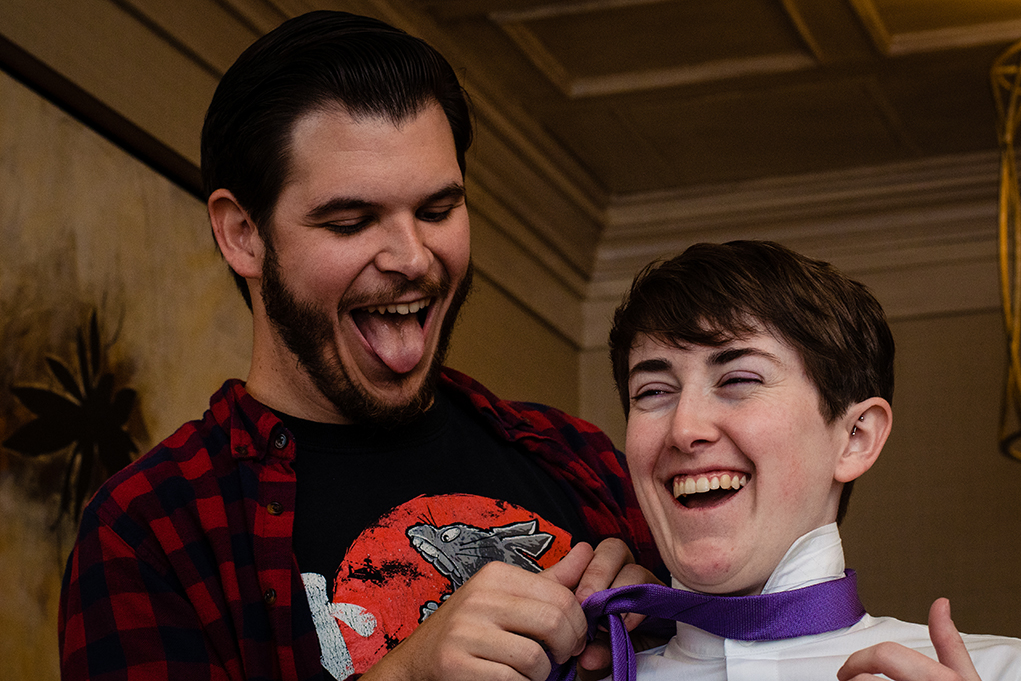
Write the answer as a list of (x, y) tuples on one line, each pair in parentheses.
[(236, 234), (866, 426)]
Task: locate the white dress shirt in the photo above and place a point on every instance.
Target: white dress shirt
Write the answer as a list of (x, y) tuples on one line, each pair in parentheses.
[(816, 557)]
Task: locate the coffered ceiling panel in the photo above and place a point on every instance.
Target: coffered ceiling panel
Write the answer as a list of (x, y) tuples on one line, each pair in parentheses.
[(697, 140), (653, 95), (596, 49), (903, 26)]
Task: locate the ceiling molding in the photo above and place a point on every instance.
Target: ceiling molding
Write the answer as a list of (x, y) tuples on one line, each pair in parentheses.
[(564, 9), (894, 43), (874, 24), (804, 29), (706, 72), (920, 42), (963, 175), (923, 235)]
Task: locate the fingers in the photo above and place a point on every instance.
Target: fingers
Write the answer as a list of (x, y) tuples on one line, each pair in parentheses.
[(596, 657), (613, 566), (499, 625), (948, 642), (903, 664), (602, 571), (893, 660), (539, 607), (570, 569)]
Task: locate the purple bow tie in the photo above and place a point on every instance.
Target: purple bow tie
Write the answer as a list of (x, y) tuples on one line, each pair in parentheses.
[(815, 609)]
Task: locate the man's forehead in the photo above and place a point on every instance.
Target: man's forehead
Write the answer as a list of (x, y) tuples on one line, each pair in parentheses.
[(327, 142)]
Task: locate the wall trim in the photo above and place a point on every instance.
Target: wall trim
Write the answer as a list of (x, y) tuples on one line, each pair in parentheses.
[(89, 110), (908, 230)]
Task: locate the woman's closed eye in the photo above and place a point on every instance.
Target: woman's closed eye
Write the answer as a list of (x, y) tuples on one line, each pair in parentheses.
[(650, 394), (740, 379)]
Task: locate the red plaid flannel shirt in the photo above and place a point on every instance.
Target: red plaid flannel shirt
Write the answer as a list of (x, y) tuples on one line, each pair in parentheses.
[(184, 569)]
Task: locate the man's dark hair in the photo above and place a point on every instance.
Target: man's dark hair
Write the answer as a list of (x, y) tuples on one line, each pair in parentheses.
[(714, 293), (317, 61)]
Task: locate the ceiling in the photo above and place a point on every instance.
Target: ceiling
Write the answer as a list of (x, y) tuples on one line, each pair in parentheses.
[(613, 132), (661, 95)]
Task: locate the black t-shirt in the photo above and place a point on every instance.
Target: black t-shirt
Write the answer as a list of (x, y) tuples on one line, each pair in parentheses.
[(389, 521)]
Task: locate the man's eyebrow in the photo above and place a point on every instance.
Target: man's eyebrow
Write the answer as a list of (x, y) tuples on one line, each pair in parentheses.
[(338, 204), (454, 190), (726, 355), (650, 365)]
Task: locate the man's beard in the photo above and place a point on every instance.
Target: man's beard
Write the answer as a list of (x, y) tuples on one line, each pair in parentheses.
[(307, 332)]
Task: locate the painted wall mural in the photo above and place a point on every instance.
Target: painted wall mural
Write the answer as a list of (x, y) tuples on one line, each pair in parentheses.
[(87, 416), (118, 320)]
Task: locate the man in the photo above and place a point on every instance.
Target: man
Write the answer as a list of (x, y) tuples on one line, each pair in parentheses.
[(351, 489), (757, 386)]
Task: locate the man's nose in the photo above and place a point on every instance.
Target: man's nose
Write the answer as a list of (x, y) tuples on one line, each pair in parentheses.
[(405, 250)]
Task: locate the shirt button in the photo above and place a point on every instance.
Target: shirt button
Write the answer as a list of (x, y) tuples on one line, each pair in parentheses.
[(275, 508), (281, 440), (270, 596)]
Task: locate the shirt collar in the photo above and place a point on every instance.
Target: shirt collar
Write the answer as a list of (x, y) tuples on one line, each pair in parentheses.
[(815, 557)]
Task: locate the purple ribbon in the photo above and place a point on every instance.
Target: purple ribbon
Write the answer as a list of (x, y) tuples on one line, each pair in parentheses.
[(815, 609)]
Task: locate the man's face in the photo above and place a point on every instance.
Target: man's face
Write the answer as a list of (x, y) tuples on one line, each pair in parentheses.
[(367, 262), (743, 415)]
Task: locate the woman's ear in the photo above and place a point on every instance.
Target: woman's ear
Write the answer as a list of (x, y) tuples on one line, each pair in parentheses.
[(866, 425), (236, 235)]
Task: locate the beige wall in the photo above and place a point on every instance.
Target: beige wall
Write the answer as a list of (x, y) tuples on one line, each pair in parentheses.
[(84, 226), (940, 512), (511, 351)]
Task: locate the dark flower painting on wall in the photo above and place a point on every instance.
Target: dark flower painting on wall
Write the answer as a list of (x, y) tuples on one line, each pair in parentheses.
[(88, 416)]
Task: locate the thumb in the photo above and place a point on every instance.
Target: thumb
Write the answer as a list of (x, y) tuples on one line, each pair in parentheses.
[(947, 641), (571, 567)]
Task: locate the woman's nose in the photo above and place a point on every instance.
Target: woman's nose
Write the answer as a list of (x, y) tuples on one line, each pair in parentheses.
[(693, 423)]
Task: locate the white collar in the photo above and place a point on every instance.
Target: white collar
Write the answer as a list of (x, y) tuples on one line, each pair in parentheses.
[(815, 557)]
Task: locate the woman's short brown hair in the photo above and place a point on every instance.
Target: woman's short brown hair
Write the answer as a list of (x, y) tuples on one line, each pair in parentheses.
[(714, 293)]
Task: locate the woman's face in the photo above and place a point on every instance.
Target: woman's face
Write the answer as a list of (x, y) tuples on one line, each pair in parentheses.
[(731, 458)]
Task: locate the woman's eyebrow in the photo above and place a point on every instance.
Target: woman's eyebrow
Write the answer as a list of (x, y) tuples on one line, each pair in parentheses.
[(728, 355), (650, 365)]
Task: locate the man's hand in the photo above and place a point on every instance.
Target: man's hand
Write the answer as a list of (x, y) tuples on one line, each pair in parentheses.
[(612, 565), (498, 626), (903, 664)]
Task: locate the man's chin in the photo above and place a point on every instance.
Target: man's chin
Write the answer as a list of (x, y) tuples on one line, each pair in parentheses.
[(393, 401)]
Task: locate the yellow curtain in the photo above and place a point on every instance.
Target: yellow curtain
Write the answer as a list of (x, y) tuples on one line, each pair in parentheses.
[(1006, 82)]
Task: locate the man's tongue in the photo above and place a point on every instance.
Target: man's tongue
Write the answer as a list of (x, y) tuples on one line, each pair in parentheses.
[(398, 340)]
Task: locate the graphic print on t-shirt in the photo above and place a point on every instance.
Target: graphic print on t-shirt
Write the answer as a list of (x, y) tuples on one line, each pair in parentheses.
[(399, 570)]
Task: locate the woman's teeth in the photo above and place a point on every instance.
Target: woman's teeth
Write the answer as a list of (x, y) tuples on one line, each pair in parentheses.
[(707, 483)]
